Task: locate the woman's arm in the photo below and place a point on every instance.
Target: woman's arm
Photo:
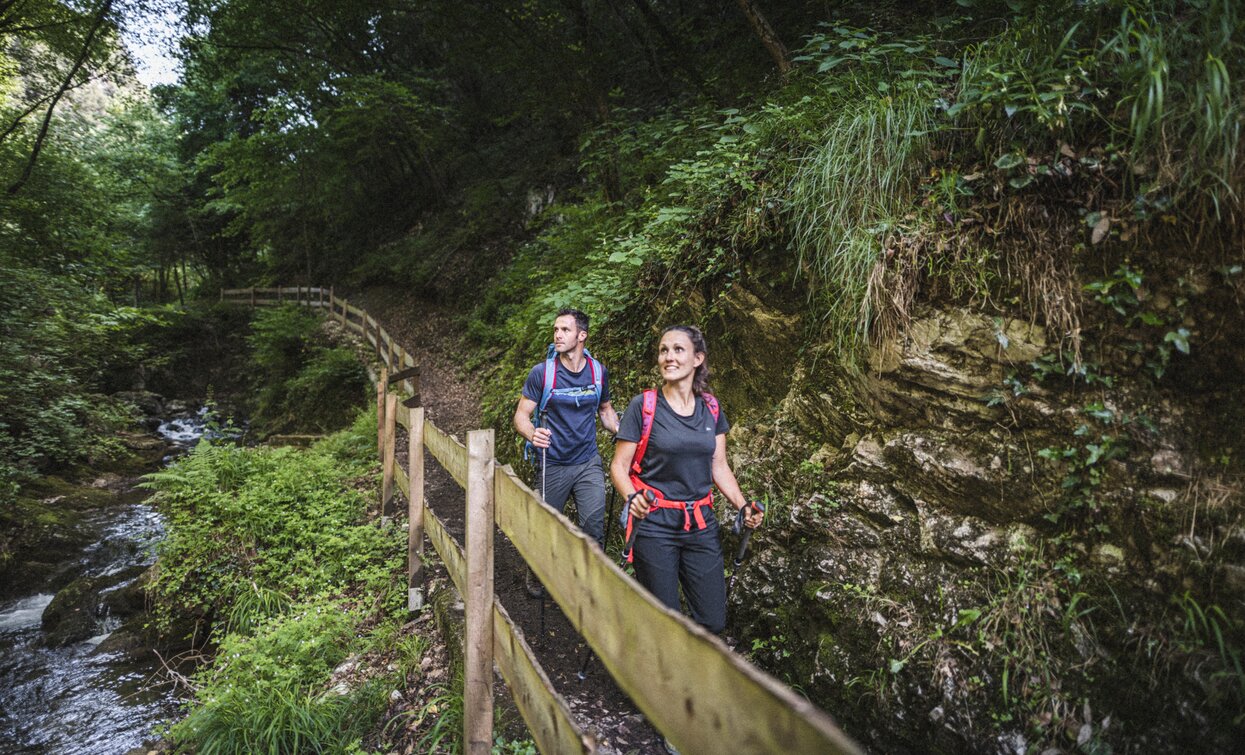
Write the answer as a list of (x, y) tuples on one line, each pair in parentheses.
[(724, 478), (620, 475)]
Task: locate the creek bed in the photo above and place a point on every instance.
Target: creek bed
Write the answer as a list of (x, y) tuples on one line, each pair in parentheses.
[(81, 697)]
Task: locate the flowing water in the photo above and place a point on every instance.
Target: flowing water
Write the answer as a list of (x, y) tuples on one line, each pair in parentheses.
[(76, 699)]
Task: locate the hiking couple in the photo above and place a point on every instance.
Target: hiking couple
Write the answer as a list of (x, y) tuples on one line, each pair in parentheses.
[(671, 441)]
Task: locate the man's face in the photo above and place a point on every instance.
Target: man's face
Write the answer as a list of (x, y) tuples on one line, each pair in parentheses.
[(566, 334)]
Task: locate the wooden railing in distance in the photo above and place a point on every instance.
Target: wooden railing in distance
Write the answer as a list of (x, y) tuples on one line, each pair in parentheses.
[(355, 319)]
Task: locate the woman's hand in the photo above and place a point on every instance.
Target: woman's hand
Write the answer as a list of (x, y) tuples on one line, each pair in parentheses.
[(640, 504), (753, 515)]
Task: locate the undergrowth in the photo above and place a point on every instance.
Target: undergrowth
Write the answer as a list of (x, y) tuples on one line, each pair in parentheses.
[(272, 550), (301, 384)]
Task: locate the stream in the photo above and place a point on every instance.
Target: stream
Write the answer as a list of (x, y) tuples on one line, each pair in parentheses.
[(77, 698)]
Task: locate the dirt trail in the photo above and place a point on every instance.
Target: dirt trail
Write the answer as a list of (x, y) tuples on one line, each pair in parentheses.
[(451, 401)]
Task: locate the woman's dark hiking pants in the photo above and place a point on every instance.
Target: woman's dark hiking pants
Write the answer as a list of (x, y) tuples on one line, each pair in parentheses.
[(666, 558)]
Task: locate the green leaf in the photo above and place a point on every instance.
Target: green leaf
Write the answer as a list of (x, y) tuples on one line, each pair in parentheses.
[(947, 62), (1180, 339), (1009, 161)]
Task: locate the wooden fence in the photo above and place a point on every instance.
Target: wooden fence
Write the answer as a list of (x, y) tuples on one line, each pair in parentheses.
[(702, 696)]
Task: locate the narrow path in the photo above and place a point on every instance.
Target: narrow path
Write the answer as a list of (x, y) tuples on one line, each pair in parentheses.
[(451, 400)]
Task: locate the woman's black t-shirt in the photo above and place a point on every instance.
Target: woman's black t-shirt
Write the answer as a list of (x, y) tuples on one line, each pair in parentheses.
[(679, 459)]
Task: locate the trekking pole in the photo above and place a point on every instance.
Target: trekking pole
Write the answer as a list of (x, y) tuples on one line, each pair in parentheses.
[(745, 534), (609, 517), (544, 467), (648, 496)]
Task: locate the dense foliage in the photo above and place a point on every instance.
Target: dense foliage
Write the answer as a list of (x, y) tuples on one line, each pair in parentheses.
[(58, 345), (271, 548), (300, 384), (83, 154)]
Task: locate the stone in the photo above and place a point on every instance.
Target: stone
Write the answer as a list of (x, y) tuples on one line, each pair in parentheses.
[(953, 472), (1108, 554), (959, 538), (1166, 495), (1167, 461)]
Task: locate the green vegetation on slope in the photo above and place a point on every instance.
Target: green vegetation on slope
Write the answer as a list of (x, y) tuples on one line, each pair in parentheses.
[(272, 550)]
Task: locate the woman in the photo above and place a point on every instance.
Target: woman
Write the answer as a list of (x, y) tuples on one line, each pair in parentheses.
[(682, 457)]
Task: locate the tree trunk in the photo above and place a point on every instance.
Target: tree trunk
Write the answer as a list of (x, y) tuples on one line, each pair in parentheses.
[(766, 34)]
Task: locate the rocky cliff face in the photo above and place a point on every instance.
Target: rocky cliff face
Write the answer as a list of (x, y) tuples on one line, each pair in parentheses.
[(968, 549)]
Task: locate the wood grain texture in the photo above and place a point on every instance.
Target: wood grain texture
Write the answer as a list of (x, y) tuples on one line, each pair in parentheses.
[(478, 640), (549, 719), (685, 680)]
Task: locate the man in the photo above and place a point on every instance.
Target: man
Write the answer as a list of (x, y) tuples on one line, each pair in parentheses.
[(566, 441)]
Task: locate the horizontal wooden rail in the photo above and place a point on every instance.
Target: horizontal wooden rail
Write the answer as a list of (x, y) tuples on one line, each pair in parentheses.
[(547, 713), (448, 451)]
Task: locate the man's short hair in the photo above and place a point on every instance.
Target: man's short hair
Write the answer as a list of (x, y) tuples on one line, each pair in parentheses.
[(581, 320)]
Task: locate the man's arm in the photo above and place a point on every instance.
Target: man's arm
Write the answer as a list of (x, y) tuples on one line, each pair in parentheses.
[(609, 417), (540, 437)]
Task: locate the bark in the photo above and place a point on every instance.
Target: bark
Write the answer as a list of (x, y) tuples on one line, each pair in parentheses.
[(766, 34)]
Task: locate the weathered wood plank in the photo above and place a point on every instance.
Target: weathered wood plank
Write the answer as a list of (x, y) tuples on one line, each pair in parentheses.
[(388, 463), (448, 549), (415, 510), (478, 632), (548, 717), (448, 451), (401, 480), (684, 679), (380, 412)]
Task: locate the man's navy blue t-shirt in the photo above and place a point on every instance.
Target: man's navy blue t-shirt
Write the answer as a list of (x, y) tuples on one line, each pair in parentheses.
[(571, 412)]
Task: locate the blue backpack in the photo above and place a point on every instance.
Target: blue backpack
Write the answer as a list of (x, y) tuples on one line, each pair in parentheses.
[(551, 378)]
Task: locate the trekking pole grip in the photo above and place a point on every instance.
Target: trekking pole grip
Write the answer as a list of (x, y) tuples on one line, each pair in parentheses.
[(744, 531), (648, 496)]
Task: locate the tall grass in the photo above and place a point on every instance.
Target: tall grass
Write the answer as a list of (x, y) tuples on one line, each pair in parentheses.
[(847, 194)]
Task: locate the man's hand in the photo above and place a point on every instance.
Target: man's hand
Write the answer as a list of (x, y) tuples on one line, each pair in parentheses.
[(541, 438)]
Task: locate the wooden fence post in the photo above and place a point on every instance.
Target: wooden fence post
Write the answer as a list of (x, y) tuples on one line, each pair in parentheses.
[(415, 513), (386, 487), (412, 383), (478, 665), (380, 411), (389, 359), (252, 297)]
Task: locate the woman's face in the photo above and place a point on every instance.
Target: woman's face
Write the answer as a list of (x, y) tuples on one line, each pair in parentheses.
[(676, 357)]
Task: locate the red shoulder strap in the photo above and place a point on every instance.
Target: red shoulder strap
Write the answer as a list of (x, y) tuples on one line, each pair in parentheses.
[(711, 401), (648, 408)]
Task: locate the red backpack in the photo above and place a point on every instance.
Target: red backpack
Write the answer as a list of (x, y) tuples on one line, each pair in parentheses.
[(648, 408)]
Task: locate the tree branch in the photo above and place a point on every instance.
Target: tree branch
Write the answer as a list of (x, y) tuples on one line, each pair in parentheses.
[(64, 87), (765, 32)]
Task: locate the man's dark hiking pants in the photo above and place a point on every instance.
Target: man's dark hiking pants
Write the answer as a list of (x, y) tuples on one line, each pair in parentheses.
[(666, 558), (587, 483)]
